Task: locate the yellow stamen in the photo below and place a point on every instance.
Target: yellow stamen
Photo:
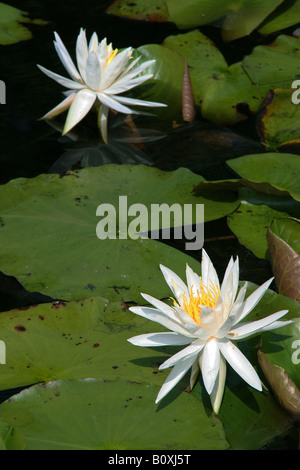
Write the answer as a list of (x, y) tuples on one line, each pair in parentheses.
[(206, 296), (111, 56)]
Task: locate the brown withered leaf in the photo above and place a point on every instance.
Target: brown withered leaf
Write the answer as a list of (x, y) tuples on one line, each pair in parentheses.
[(283, 387), (285, 263)]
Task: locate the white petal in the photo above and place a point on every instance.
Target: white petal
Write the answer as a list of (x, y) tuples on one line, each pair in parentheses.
[(217, 393), (247, 329), (253, 300), (115, 67), (81, 53), (178, 371), (135, 71), (193, 348), (136, 102), (62, 80), (193, 281), (102, 121), (240, 363), (227, 272), (125, 85), (93, 45), (92, 71), (235, 311), (65, 58), (160, 339), (81, 105), (208, 272), (159, 317), (275, 325), (210, 364), (166, 309), (229, 288), (176, 285), (60, 108), (113, 104)]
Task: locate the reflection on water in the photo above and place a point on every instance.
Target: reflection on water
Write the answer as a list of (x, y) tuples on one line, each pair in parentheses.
[(126, 145)]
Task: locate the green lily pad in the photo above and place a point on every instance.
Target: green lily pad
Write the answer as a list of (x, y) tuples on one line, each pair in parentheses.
[(93, 414), (283, 349), (78, 339), (280, 170), (165, 85), (241, 16), (12, 29), (286, 15), (276, 65), (49, 240), (284, 247), (250, 223), (155, 11), (278, 122), (224, 94), (11, 438)]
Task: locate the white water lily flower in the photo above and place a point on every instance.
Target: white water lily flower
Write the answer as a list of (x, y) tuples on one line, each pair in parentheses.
[(102, 74), (206, 317)]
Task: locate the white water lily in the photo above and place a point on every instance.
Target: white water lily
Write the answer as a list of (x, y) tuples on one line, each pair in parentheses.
[(205, 317), (102, 74)]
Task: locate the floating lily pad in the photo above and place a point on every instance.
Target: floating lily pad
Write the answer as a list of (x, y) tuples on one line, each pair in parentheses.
[(278, 121), (276, 65), (286, 15), (12, 29), (280, 170), (79, 339), (224, 94), (48, 230), (241, 16), (165, 85), (93, 414), (250, 223), (155, 10)]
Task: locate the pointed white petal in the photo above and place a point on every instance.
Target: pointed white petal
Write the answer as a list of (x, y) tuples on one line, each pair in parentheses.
[(193, 281), (60, 108), (227, 272), (81, 105), (194, 374), (275, 325), (113, 104), (235, 311), (247, 329), (240, 363), (229, 288), (210, 364), (178, 371), (137, 70), (217, 393), (157, 316), (166, 309), (93, 45), (160, 339), (125, 85), (115, 67), (102, 121), (176, 285), (253, 300), (65, 58), (136, 102), (193, 349), (62, 80), (92, 71), (208, 272), (81, 53)]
